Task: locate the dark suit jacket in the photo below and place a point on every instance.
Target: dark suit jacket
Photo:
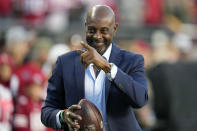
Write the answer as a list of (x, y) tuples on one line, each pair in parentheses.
[(127, 91)]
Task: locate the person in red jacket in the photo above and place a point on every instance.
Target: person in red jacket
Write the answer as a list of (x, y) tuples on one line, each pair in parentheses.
[(29, 103), (22, 77)]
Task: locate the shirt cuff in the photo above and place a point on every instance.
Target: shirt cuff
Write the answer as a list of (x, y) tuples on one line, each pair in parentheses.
[(112, 74), (58, 120)]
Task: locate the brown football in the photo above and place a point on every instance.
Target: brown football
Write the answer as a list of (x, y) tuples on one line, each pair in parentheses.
[(91, 117)]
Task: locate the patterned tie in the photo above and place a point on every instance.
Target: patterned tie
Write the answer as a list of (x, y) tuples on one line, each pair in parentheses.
[(96, 70)]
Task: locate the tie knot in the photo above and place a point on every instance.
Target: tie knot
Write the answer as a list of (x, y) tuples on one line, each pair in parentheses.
[(96, 70)]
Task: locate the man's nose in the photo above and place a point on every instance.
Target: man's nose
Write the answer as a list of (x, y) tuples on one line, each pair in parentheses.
[(98, 35)]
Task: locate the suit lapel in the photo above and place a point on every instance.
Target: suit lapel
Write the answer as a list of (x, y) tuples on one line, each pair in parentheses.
[(80, 78), (114, 58)]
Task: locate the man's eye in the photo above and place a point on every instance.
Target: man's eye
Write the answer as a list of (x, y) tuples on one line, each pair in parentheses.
[(91, 30), (104, 31)]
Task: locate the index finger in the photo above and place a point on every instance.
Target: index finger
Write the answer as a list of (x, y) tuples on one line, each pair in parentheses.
[(85, 45), (75, 107)]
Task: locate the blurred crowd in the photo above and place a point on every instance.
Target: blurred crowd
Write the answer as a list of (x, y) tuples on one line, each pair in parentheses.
[(33, 33)]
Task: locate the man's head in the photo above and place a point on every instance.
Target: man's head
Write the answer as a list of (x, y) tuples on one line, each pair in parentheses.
[(100, 27)]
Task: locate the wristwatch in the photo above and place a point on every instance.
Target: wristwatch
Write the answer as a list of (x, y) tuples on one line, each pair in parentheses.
[(109, 75)]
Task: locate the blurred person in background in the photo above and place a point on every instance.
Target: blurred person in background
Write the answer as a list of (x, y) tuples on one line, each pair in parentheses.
[(28, 105), (184, 45), (38, 58), (40, 51), (16, 45), (163, 49), (172, 78)]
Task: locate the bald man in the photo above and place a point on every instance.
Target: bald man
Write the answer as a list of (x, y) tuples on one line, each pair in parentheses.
[(111, 78)]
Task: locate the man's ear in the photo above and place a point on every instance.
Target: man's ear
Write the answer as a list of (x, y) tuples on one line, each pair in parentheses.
[(115, 28)]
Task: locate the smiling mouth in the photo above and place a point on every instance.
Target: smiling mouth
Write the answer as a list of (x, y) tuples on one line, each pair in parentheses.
[(98, 44)]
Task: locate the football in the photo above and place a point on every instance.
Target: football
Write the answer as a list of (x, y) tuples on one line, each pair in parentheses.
[(91, 117)]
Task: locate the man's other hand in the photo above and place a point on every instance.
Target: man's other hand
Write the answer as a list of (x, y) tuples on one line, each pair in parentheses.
[(70, 118)]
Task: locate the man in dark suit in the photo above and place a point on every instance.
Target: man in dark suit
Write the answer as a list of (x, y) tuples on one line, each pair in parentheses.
[(119, 86)]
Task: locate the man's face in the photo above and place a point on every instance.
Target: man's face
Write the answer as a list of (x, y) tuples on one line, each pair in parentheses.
[(99, 34)]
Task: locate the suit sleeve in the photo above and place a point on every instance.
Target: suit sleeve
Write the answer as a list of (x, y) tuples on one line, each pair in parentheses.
[(55, 97), (133, 84)]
